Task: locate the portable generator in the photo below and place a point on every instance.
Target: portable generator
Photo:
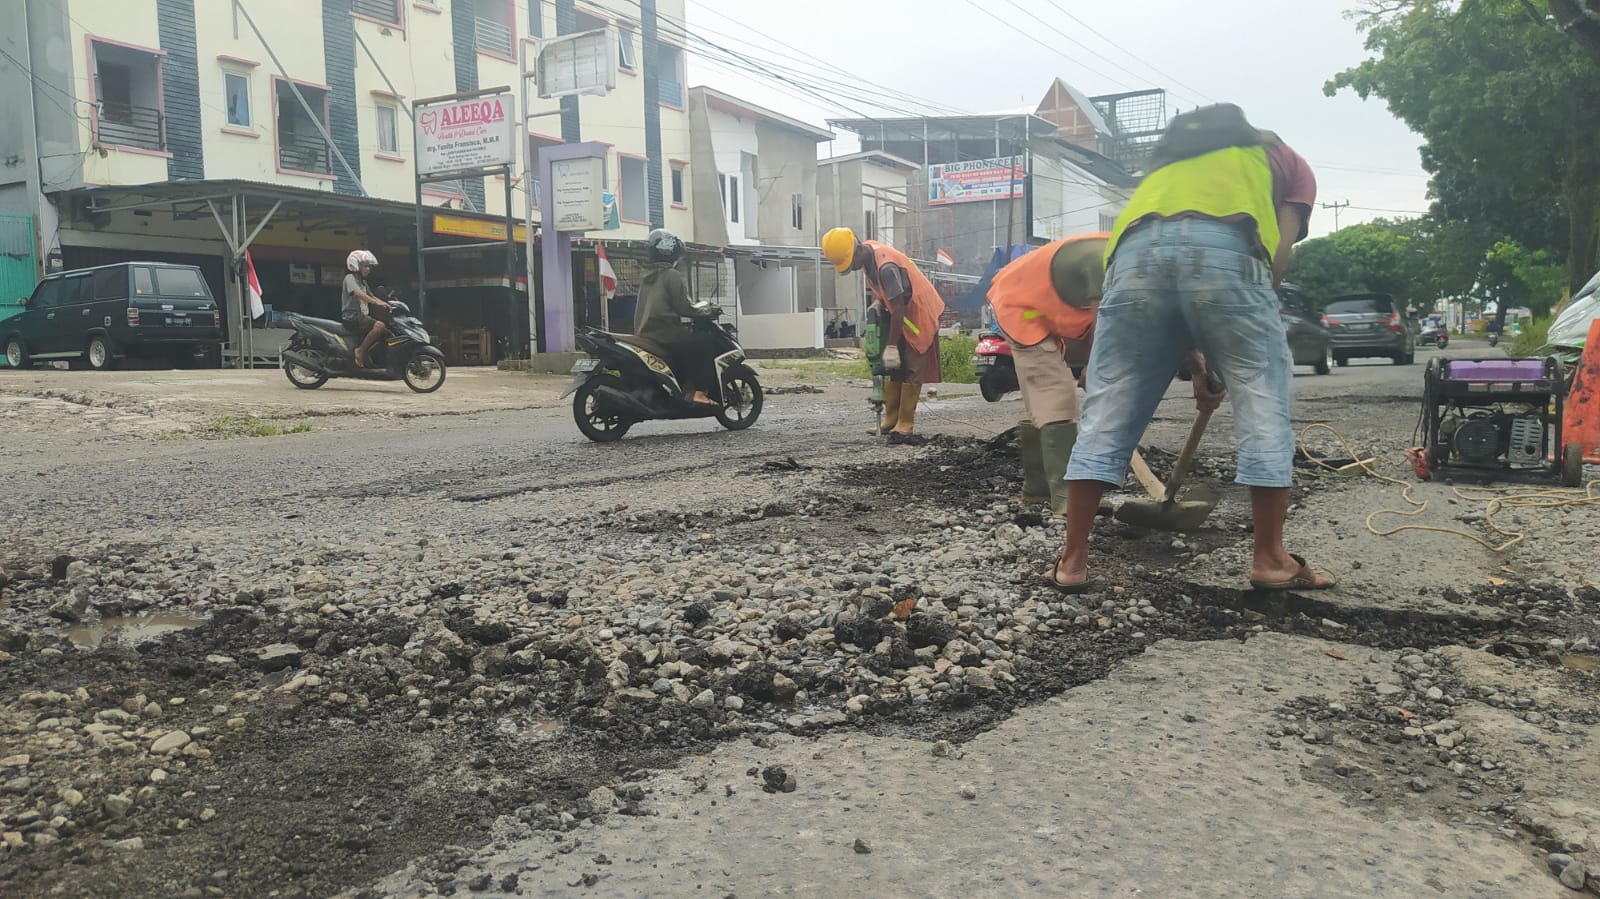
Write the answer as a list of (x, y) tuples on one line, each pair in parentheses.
[(1498, 417)]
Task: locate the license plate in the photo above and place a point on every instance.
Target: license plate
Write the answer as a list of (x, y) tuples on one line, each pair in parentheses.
[(982, 361), (179, 320), (583, 365)]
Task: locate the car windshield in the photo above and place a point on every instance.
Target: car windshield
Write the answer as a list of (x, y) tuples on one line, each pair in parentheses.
[(1360, 306)]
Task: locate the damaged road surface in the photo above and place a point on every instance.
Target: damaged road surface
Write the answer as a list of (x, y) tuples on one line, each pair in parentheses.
[(476, 654)]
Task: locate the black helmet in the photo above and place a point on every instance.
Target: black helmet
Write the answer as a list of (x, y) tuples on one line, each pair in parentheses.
[(665, 247)]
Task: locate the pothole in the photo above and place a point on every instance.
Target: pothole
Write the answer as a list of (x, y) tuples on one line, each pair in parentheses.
[(130, 630)]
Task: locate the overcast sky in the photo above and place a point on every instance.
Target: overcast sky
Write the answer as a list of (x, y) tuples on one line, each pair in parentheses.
[(1269, 56)]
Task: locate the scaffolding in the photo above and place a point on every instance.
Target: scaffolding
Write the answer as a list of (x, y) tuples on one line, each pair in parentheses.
[(1136, 120)]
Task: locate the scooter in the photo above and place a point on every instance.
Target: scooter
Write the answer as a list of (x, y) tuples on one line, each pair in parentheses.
[(997, 370), (322, 349), (627, 379)]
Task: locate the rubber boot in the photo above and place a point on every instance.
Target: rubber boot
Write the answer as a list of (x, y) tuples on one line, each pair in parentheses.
[(1035, 489), (891, 406), (1055, 443), (906, 421)]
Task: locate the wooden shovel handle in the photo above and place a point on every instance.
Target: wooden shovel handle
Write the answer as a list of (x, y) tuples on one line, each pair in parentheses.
[(1186, 458), (1141, 471)]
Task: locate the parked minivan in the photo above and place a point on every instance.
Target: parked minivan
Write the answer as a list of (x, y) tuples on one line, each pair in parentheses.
[(97, 316)]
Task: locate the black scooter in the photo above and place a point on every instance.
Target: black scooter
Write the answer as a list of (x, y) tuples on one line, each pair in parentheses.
[(322, 349), (627, 379)]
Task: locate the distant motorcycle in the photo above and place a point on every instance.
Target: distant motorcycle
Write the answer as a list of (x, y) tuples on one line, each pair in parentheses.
[(322, 349), (628, 379), (996, 368)]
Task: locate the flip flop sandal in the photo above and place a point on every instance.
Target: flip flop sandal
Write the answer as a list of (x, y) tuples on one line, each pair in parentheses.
[(1068, 589), (1304, 579)]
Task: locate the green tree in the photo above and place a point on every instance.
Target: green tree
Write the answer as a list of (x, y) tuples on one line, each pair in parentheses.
[(1521, 277), (1509, 109), (1393, 257)]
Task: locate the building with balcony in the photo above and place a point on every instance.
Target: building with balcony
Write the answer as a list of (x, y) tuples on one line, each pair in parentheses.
[(754, 173), (185, 129)]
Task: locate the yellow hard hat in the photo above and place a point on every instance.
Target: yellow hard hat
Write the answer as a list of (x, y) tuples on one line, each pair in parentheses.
[(839, 245)]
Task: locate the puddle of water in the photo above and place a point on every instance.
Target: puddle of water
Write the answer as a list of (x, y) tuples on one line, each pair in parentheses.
[(1580, 662), (132, 630)]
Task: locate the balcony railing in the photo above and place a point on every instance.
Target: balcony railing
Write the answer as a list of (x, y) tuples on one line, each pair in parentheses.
[(670, 92), (381, 10), (131, 126), (305, 152), (493, 37)]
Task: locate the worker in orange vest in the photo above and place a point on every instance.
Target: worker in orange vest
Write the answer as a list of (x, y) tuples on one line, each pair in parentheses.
[(911, 347), (1045, 304)]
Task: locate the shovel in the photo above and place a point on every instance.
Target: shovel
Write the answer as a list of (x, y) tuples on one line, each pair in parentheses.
[(1165, 512)]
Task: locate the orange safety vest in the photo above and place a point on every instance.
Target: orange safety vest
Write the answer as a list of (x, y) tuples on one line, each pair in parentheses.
[(1025, 301), (921, 323)]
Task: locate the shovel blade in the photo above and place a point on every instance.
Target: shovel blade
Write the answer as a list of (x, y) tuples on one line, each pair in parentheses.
[(1185, 514)]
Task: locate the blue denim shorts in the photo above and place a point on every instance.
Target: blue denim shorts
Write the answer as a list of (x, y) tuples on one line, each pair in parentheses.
[(1174, 286)]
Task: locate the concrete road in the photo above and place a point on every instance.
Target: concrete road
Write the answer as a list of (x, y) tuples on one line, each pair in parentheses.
[(1259, 750)]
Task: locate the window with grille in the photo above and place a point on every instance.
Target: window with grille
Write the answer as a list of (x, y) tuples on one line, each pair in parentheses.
[(128, 104), (387, 11), (492, 27), (301, 147)]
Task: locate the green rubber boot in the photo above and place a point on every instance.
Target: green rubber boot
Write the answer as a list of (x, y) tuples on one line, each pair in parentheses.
[(1035, 489), (1056, 441)]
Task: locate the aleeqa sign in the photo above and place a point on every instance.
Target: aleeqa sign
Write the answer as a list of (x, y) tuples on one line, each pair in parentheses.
[(462, 135)]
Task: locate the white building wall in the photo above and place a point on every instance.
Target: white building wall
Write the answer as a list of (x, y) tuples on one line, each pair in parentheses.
[(418, 58), (736, 144)]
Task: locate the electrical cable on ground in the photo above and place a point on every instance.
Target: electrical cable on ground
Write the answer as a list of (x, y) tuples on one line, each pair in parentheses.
[(1496, 499)]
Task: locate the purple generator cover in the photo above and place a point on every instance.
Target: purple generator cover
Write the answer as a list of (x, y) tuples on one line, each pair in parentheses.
[(1495, 370)]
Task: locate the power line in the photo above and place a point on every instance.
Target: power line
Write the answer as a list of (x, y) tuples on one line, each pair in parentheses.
[(1192, 93), (831, 66), (1024, 33), (1085, 47)]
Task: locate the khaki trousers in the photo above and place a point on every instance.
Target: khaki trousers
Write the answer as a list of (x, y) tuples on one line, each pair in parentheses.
[(1049, 391)]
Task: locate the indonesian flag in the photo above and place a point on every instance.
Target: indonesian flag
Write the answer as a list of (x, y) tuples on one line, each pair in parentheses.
[(608, 275), (945, 259), (253, 287)]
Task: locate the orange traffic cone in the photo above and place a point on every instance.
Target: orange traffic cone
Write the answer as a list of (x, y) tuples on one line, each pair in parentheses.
[(1581, 422)]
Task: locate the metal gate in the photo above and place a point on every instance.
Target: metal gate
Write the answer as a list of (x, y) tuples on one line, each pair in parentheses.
[(19, 265)]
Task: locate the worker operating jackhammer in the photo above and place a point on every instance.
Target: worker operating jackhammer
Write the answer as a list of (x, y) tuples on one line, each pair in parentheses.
[(1045, 304)]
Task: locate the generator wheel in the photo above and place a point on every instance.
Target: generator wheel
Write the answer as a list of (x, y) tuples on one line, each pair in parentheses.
[(1572, 465)]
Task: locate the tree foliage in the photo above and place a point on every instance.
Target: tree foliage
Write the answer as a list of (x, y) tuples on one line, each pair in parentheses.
[(1509, 109), (1417, 260), (1518, 276)]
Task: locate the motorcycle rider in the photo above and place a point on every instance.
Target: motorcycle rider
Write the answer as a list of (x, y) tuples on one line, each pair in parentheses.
[(1044, 303), (356, 298), (663, 303)]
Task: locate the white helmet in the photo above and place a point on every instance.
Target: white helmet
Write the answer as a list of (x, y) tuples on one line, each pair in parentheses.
[(358, 258)]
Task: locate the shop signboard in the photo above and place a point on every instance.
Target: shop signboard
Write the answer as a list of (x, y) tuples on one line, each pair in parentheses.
[(974, 180), (466, 135)]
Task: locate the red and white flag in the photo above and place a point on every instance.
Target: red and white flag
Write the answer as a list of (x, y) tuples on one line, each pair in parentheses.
[(253, 287), (945, 259), (608, 275)]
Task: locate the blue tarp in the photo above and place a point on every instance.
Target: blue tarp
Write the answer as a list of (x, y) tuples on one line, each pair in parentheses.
[(976, 298)]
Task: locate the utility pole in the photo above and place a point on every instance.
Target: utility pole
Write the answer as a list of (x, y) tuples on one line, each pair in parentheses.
[(652, 111), (567, 23), (1335, 207)]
